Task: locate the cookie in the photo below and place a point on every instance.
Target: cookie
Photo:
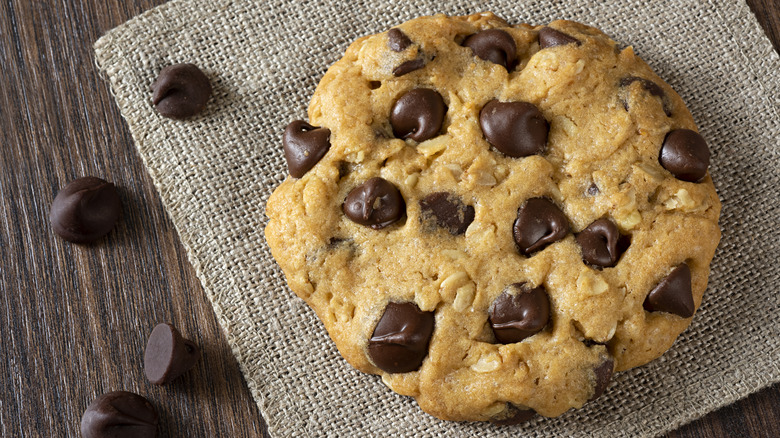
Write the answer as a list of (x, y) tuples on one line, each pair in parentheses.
[(496, 218)]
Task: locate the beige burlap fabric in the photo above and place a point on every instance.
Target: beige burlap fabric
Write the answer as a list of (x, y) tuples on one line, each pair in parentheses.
[(216, 171)]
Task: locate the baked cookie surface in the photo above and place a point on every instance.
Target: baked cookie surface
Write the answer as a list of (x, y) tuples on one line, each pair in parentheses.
[(496, 217)]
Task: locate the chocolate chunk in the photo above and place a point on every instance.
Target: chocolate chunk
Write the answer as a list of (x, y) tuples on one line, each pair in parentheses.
[(397, 40), (448, 211), (517, 129), (85, 210), (304, 146), (408, 67), (539, 223), (685, 154), (673, 294), (180, 91), (603, 374), (602, 244), (494, 45), (519, 312), (513, 415), (168, 355), (549, 37), (418, 114), (400, 340), (119, 414), (376, 203), (649, 86)]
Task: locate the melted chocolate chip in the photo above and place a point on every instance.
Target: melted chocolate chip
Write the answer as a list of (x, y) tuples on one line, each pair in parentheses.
[(168, 355), (513, 415), (119, 414), (85, 210), (549, 37), (397, 41), (602, 374), (539, 223), (519, 312), (602, 244), (649, 86), (304, 146), (685, 154), (673, 294), (400, 340), (494, 45), (448, 211), (408, 67), (180, 91), (376, 203), (517, 129), (418, 114)]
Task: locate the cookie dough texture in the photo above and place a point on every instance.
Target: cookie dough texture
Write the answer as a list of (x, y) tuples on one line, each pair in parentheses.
[(601, 160)]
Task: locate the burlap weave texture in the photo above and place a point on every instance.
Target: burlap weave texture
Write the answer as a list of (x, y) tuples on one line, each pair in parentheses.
[(264, 58)]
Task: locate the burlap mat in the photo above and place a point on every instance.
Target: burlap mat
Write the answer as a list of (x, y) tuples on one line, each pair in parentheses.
[(216, 171)]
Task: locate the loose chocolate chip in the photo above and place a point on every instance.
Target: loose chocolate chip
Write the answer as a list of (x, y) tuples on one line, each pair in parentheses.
[(447, 211), (685, 154), (539, 223), (168, 355), (376, 203), (85, 210), (513, 415), (549, 37), (397, 40), (602, 244), (119, 414), (304, 146), (494, 45), (519, 312), (408, 67), (180, 91), (603, 374), (400, 340), (673, 294), (649, 86), (418, 114), (517, 129)]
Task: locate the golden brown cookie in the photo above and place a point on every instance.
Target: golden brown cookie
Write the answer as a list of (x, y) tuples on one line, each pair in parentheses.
[(496, 217)]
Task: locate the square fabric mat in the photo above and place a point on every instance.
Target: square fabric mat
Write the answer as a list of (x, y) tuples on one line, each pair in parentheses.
[(264, 58)]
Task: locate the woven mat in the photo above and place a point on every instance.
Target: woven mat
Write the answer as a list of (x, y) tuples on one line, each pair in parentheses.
[(216, 171)]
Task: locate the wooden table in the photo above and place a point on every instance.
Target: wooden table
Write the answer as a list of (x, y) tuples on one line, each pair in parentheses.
[(75, 318)]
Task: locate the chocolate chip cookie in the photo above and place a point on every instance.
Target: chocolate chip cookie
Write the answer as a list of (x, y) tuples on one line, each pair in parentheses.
[(495, 218)]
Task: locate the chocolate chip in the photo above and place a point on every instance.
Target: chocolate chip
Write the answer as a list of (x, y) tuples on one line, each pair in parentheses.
[(408, 67), (180, 91), (649, 86), (593, 190), (418, 114), (119, 414), (400, 340), (539, 223), (519, 312), (85, 210), (168, 355), (376, 203), (549, 37), (513, 415), (685, 154), (447, 211), (304, 146), (672, 294), (517, 129), (494, 45), (602, 244), (602, 374), (397, 40)]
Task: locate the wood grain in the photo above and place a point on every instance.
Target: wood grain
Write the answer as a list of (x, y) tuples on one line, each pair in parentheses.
[(76, 318)]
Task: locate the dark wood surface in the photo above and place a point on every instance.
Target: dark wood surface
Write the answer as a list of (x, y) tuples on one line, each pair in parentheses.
[(75, 318)]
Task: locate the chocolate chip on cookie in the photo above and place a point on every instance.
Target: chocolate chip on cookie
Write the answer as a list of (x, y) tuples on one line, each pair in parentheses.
[(400, 340), (447, 211), (418, 114), (649, 86), (539, 223), (513, 415), (673, 294), (602, 244), (376, 203), (304, 146), (549, 37), (519, 312), (408, 67), (685, 153), (494, 45), (181, 91), (397, 40), (602, 376), (517, 129)]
